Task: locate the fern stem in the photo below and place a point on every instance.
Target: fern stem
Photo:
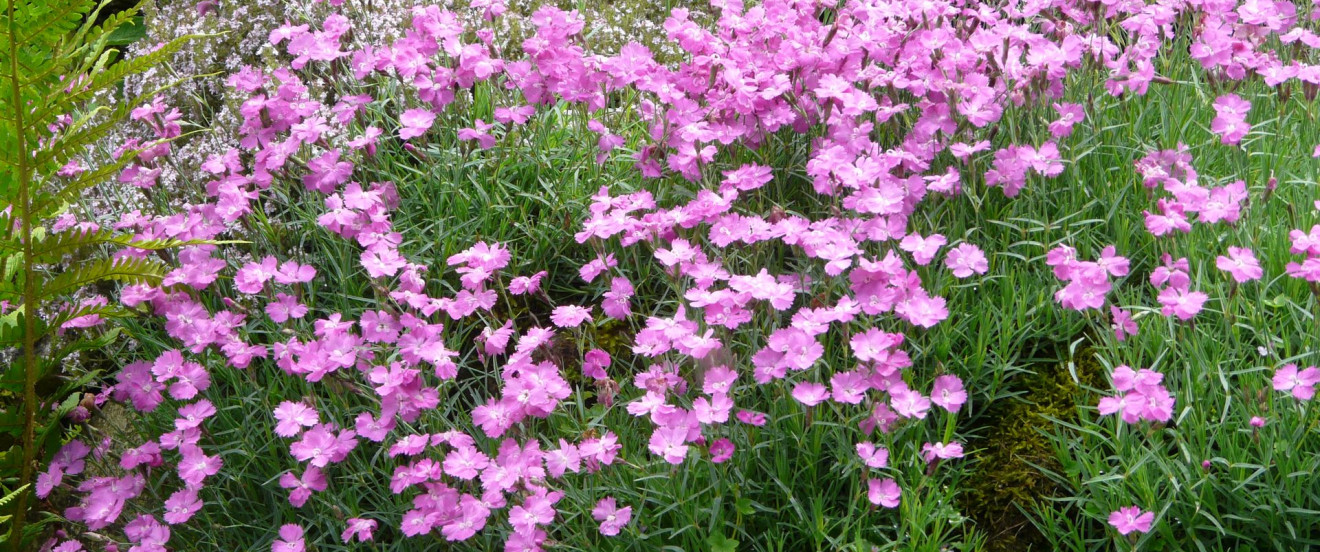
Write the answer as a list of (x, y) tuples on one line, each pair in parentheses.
[(29, 291)]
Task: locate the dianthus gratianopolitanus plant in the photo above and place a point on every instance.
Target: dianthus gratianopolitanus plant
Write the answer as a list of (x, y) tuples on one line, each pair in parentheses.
[(54, 61)]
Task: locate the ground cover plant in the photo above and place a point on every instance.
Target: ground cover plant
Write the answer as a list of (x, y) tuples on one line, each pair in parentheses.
[(788, 275)]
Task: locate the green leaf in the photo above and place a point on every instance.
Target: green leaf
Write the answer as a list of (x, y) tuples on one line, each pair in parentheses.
[(720, 543), (11, 422), (744, 506), (133, 30)]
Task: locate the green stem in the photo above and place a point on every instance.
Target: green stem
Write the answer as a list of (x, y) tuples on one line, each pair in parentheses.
[(29, 290)]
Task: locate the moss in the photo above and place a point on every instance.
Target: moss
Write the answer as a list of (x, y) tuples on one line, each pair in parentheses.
[(1007, 479)]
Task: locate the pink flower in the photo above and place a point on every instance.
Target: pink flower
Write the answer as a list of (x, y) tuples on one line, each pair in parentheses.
[(908, 403), (301, 487), (465, 463), (192, 415), (1172, 273), (291, 272), (382, 261), (874, 344), (594, 363), (535, 510), (810, 393), (1123, 324), (526, 284), (291, 539), (922, 249), (194, 467), (1241, 263), (148, 453), (1181, 302), (849, 387), (923, 310), (570, 316), (1231, 120), (253, 276), (616, 301), (948, 393), (475, 512), (883, 492), (483, 255), (321, 446), (721, 450), (1117, 266), (872, 455), (516, 115), (181, 506), (480, 132), (284, 307), (591, 270), (1069, 114), (68, 546), (1300, 382), (751, 418), (1130, 519), (933, 451), (566, 458), (292, 417), (719, 380), (1257, 422), (671, 443), (1142, 396), (611, 518), (965, 260), (415, 123), (327, 172), (358, 528), (148, 533)]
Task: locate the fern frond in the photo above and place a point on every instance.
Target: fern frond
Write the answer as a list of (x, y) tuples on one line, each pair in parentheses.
[(127, 269), (5, 500), (11, 326), (53, 101), (71, 191), (104, 311), (92, 36), (61, 18), (77, 137), (59, 355), (56, 246)]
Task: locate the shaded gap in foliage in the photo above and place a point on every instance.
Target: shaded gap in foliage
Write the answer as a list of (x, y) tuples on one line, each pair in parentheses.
[(1006, 480)]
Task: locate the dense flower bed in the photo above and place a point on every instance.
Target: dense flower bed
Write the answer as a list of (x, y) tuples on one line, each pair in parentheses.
[(751, 294)]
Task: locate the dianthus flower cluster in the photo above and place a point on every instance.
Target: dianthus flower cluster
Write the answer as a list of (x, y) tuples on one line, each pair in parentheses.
[(1142, 396)]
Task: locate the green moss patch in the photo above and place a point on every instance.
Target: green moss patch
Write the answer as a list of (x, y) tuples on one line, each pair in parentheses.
[(1013, 450)]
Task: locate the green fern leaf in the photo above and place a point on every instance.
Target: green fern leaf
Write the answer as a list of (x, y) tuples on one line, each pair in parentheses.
[(56, 246), (92, 36), (128, 270), (70, 192), (56, 20), (5, 500), (104, 311), (110, 77)]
